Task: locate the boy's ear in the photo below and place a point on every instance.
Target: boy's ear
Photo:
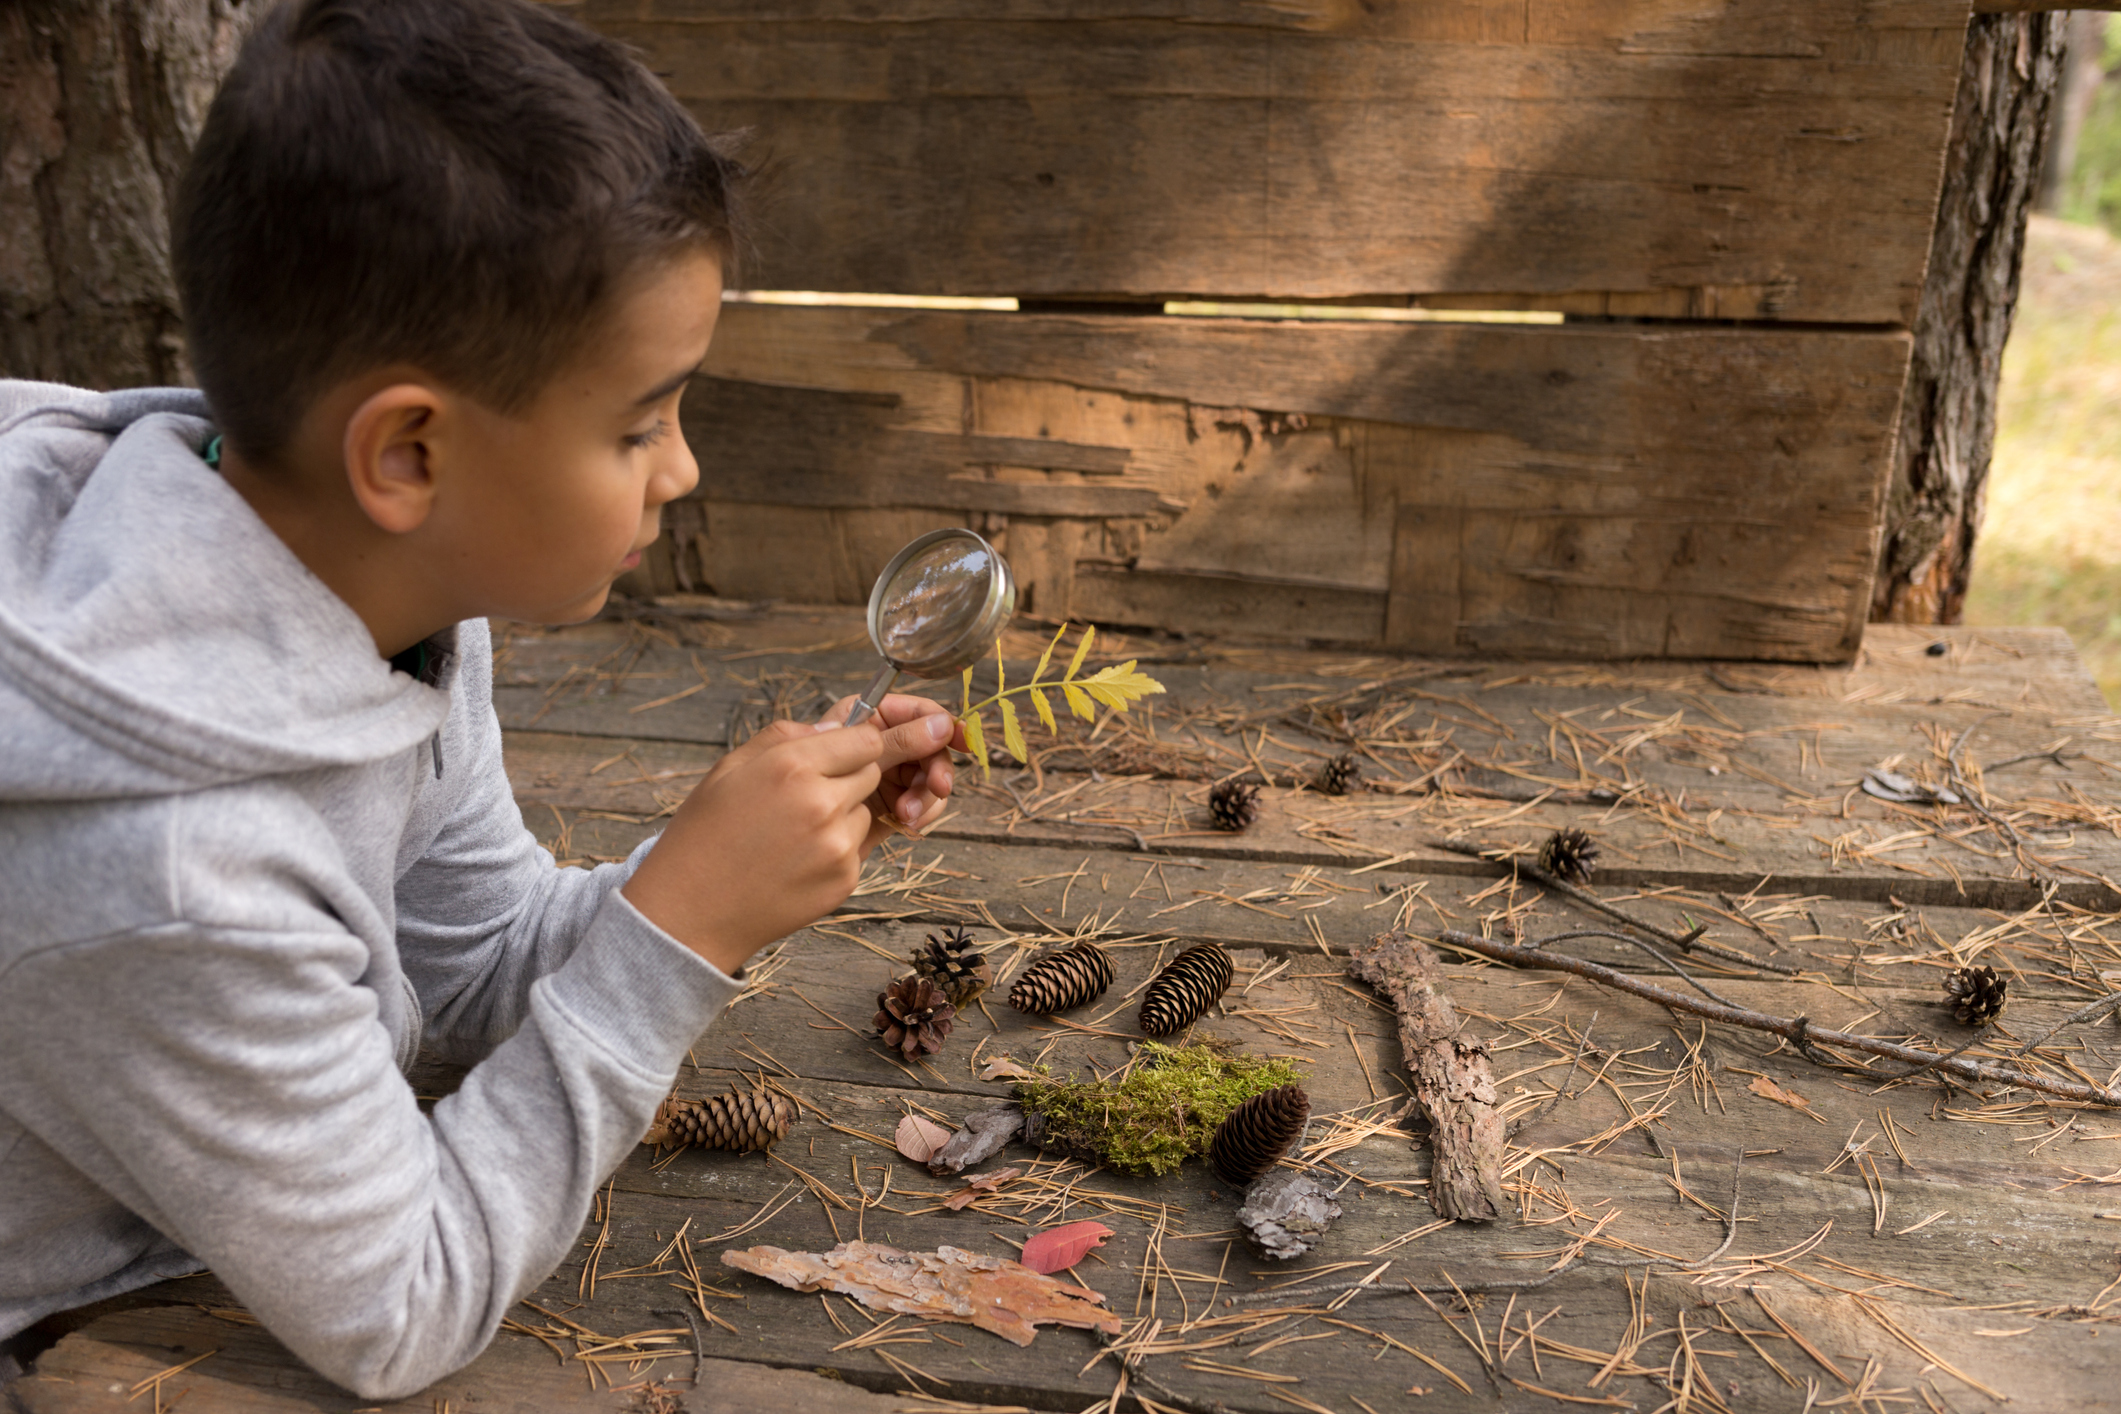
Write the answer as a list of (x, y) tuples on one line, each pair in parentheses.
[(388, 455)]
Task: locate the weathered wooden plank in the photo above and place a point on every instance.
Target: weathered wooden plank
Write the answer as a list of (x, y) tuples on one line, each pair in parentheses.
[(1656, 157), (1515, 489)]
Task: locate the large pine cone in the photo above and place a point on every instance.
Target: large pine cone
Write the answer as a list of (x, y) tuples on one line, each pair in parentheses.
[(1257, 1133), (1976, 994), (1233, 805), (1569, 855), (914, 1015), (1182, 993), (960, 970), (1074, 976), (741, 1120), (1340, 775)]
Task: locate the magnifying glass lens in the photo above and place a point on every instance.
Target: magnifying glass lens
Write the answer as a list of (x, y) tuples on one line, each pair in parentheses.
[(934, 599)]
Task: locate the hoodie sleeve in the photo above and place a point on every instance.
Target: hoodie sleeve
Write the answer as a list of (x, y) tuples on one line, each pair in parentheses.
[(226, 1076), (484, 911)]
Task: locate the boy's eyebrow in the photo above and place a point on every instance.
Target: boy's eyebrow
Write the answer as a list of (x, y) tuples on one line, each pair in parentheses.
[(669, 385)]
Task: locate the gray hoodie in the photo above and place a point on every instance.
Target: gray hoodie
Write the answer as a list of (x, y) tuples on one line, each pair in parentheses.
[(245, 870)]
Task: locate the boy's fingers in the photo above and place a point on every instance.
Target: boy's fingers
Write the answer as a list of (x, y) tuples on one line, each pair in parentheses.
[(917, 740)]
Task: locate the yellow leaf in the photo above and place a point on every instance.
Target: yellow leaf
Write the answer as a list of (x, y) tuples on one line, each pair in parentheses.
[(1082, 651), (967, 700), (1079, 702), (1105, 693), (1001, 677), (976, 741), (1047, 656), (1012, 734), (1045, 710)]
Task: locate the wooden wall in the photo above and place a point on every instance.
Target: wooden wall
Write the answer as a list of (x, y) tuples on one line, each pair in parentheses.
[(1731, 199)]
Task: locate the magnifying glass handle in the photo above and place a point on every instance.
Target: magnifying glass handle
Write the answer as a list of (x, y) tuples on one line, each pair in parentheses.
[(865, 707)]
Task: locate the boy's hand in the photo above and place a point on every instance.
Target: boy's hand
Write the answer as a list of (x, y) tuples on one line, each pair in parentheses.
[(774, 837), (910, 791)]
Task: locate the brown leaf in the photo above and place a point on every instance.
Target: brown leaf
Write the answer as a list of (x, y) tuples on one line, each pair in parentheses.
[(918, 1138), (947, 1284), (1004, 1068), (1767, 1089), (976, 1188)]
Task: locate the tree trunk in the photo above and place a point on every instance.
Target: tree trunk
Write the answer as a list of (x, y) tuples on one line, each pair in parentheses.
[(1948, 415), (100, 101), (2083, 70)]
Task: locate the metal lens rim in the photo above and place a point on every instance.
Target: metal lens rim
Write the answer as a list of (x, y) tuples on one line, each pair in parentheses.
[(994, 612)]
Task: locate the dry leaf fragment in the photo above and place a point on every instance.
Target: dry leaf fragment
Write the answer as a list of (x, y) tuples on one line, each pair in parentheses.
[(948, 1284), (977, 1188), (1061, 1247), (1767, 1089), (1004, 1068), (918, 1138)]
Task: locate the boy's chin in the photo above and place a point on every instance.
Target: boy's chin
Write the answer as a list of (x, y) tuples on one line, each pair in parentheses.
[(579, 612)]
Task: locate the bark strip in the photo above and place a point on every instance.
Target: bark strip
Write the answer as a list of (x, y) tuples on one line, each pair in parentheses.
[(1452, 1081)]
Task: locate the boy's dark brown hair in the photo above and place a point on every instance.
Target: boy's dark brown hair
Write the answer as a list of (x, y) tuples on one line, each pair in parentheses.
[(462, 185)]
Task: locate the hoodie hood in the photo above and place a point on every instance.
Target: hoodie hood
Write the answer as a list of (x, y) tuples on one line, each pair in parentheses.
[(155, 635)]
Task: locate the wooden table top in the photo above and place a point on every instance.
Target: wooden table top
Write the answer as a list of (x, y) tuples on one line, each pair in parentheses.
[(1898, 1244)]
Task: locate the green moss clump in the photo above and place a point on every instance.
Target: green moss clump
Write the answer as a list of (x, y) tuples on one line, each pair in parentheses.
[(1163, 1111)]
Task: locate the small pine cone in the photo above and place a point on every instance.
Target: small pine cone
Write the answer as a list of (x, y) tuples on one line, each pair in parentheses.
[(1569, 855), (1076, 975), (1182, 993), (1976, 994), (1340, 775), (740, 1120), (1257, 1133), (1233, 805), (957, 968), (914, 1015)]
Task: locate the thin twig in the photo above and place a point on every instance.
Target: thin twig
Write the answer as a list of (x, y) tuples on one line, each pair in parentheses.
[(1799, 1031), (1685, 942), (1674, 968), (2110, 1002)]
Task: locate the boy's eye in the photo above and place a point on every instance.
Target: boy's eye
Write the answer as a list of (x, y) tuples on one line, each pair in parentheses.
[(635, 441)]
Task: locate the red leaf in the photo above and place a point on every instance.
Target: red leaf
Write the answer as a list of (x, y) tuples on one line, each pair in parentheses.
[(1062, 1247)]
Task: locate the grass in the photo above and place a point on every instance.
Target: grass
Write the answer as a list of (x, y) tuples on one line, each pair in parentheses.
[(2049, 551)]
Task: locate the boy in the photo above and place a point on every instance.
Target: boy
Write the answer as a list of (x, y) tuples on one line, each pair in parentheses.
[(446, 267)]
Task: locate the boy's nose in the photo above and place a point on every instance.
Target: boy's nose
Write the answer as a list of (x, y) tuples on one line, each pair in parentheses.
[(677, 476)]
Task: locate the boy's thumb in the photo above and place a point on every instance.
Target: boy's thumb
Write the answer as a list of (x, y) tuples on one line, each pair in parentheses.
[(918, 739)]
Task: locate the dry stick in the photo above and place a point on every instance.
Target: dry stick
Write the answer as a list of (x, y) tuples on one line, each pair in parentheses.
[(1674, 968), (1685, 942), (1797, 1030), (1359, 1289), (2110, 1002)]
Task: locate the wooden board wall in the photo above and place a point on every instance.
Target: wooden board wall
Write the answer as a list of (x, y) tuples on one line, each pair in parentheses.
[(1717, 158), (1733, 201)]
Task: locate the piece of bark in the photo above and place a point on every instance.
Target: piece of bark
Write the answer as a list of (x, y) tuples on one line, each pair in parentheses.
[(983, 1135), (1451, 1077), (948, 1284), (1285, 1213)]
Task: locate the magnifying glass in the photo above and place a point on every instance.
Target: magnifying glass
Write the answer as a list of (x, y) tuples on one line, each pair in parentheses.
[(935, 610)]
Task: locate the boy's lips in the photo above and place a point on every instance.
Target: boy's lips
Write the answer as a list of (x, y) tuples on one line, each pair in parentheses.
[(631, 561)]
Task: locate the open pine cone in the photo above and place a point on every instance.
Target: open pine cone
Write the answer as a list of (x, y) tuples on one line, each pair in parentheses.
[(1233, 805), (1340, 775), (1257, 1133), (1569, 855), (955, 966), (1976, 994), (740, 1120), (914, 1015)]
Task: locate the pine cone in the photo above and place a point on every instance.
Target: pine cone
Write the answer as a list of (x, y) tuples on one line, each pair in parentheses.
[(1340, 775), (1976, 994), (1569, 855), (957, 968), (914, 1015), (1076, 975), (1182, 993), (741, 1120), (1233, 805), (1257, 1133)]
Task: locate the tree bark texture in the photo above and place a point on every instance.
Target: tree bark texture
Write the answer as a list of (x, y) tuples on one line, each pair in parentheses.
[(1452, 1079), (100, 102), (1992, 171)]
